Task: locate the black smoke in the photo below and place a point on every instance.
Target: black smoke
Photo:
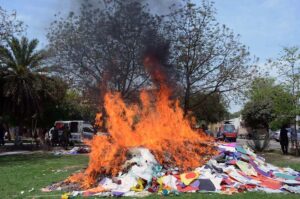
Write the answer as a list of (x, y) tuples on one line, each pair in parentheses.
[(159, 7)]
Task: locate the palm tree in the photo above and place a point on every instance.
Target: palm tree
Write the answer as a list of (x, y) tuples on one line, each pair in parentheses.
[(22, 76)]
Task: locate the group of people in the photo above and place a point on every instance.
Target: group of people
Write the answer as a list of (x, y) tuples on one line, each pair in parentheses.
[(284, 138), (60, 136)]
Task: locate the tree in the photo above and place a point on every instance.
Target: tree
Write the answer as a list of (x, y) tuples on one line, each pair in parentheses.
[(70, 105), (23, 77), (234, 115), (9, 25), (288, 65), (269, 105), (212, 109), (258, 114), (209, 56), (103, 48)]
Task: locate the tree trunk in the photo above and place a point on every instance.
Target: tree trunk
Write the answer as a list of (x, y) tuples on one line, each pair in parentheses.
[(297, 146), (18, 140), (297, 143), (187, 98)]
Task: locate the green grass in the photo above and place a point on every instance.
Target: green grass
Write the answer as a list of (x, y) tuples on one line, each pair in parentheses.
[(248, 195), (278, 159), (24, 172)]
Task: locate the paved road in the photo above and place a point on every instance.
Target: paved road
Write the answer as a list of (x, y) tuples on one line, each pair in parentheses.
[(17, 152), (273, 144)]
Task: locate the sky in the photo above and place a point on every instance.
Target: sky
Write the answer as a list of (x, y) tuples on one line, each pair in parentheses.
[(265, 26)]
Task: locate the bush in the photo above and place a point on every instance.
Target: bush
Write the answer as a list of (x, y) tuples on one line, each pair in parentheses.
[(259, 141)]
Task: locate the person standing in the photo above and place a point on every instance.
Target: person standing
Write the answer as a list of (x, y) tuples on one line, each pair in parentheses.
[(65, 137), (293, 137), (54, 136), (284, 141), (2, 133)]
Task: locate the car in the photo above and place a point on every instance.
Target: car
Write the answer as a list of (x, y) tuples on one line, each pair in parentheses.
[(276, 134), (227, 132)]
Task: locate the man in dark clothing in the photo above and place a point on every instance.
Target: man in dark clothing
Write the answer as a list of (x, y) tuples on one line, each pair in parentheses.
[(2, 133), (54, 136), (284, 140), (65, 137)]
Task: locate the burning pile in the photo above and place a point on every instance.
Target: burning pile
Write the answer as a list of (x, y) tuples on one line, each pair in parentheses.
[(151, 148), (234, 169), (157, 124)]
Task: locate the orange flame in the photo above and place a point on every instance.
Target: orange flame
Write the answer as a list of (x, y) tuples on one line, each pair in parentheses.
[(158, 124)]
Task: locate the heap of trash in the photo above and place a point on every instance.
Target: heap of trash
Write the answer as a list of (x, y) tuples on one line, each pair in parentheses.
[(74, 151), (235, 169)]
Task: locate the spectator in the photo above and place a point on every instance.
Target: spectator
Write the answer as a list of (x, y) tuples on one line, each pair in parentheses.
[(284, 141), (54, 137), (2, 133), (65, 137), (293, 136)]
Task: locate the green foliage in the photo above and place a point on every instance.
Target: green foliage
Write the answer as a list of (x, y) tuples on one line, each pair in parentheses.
[(269, 105), (258, 114), (234, 115), (22, 78), (73, 107), (27, 92), (69, 106), (212, 107), (288, 65)]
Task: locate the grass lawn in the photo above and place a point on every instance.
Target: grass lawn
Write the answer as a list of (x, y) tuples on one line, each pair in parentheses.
[(278, 159), (24, 172)]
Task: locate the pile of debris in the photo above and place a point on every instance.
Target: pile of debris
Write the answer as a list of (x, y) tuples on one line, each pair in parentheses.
[(74, 151), (235, 169)]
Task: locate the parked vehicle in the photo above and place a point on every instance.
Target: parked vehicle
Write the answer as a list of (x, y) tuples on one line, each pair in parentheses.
[(227, 132), (79, 130)]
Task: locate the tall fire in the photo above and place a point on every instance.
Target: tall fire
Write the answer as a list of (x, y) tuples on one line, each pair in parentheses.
[(156, 123), (152, 148)]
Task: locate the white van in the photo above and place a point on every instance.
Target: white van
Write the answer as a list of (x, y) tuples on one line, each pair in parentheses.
[(79, 129)]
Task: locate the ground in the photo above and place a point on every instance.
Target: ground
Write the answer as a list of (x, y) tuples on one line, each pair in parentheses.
[(28, 173), (24, 172)]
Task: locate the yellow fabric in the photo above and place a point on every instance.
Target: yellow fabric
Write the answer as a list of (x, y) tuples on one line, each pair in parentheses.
[(65, 196), (188, 178), (139, 187), (160, 182), (246, 168)]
